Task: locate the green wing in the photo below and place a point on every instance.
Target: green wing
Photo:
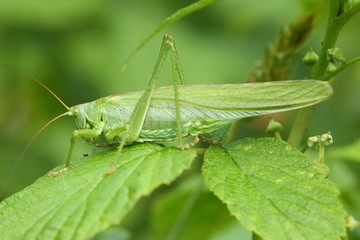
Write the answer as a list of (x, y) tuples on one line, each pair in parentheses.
[(229, 101)]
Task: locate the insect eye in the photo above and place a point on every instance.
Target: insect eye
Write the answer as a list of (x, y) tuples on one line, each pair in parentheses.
[(76, 111)]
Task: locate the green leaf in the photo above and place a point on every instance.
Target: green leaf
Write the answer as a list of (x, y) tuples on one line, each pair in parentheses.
[(350, 152), (85, 200), (274, 190)]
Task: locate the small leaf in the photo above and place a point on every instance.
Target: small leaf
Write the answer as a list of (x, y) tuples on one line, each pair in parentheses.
[(274, 190), (84, 200)]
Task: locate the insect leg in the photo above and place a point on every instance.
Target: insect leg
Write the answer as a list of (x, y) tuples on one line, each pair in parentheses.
[(193, 142), (138, 115), (121, 132), (176, 61), (177, 78), (87, 133)]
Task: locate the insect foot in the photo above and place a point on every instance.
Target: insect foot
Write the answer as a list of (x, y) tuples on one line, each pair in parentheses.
[(216, 143), (193, 142), (55, 174), (212, 141)]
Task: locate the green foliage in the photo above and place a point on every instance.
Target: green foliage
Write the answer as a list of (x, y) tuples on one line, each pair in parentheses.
[(86, 200), (274, 190)]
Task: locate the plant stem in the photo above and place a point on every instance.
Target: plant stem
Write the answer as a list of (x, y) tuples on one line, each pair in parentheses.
[(297, 132), (277, 136), (331, 34), (348, 15), (340, 69), (336, 20), (332, 31), (179, 14)]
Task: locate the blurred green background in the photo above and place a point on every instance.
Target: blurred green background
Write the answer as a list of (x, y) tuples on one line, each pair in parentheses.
[(77, 49)]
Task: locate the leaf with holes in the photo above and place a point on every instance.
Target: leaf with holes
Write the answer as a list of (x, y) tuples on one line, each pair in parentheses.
[(85, 200)]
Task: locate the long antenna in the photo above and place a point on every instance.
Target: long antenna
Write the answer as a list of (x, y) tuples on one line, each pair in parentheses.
[(9, 176), (36, 80)]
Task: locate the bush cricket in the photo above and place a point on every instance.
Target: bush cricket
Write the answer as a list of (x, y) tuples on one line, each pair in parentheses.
[(174, 112)]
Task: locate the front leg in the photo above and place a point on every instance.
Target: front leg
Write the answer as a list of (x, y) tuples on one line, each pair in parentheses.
[(87, 133)]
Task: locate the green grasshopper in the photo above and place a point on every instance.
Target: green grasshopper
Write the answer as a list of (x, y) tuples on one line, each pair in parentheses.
[(174, 112)]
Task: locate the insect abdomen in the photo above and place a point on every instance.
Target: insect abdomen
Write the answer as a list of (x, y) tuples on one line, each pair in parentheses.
[(161, 134)]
